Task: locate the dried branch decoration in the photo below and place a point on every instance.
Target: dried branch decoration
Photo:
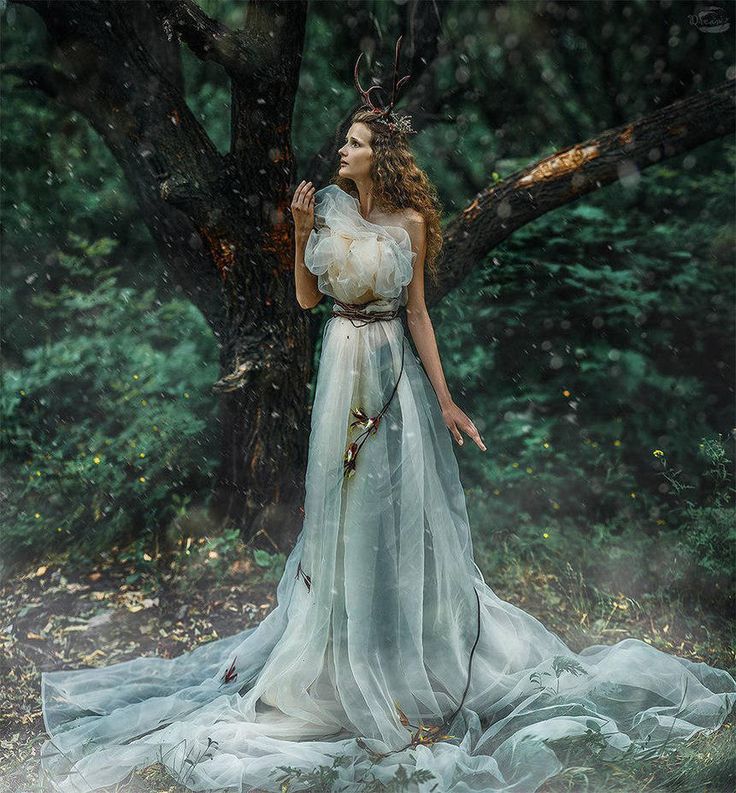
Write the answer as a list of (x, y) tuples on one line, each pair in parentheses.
[(370, 426), (385, 115)]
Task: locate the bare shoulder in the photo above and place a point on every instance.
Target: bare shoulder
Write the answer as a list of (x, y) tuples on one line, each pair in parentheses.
[(413, 217), (413, 222)]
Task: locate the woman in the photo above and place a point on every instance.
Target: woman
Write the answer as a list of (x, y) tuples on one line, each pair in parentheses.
[(386, 648)]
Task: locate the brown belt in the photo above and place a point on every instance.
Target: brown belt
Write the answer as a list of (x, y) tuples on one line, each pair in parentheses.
[(353, 311)]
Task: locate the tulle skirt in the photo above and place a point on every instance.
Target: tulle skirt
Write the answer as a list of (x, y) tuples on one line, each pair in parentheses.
[(386, 648)]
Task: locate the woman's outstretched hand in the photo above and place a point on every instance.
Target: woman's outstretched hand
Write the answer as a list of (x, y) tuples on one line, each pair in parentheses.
[(456, 420), (302, 209)]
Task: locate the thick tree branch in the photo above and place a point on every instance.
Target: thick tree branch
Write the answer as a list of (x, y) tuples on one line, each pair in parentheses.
[(208, 39), (567, 175), (44, 77)]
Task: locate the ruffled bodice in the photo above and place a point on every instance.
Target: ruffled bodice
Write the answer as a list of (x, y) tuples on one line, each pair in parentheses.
[(357, 261)]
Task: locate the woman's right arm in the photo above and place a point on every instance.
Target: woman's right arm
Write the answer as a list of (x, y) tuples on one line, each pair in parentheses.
[(302, 209)]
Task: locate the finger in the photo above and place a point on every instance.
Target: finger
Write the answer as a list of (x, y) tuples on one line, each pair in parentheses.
[(473, 433), (305, 194), (303, 199)]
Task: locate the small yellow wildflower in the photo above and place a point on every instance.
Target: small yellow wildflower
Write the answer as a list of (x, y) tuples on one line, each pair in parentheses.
[(96, 460), (144, 402), (142, 454), (37, 515), (617, 442), (658, 453), (141, 478), (633, 495), (515, 465), (38, 473), (22, 392), (545, 535), (555, 505), (546, 445), (529, 469), (186, 395), (135, 377)]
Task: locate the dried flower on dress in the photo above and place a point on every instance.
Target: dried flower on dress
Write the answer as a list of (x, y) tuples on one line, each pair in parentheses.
[(231, 674), (364, 420), (307, 578)]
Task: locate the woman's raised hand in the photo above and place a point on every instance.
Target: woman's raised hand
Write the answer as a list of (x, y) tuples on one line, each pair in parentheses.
[(302, 208)]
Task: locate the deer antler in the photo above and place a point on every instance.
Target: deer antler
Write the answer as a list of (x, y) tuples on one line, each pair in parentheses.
[(397, 83), (366, 95)]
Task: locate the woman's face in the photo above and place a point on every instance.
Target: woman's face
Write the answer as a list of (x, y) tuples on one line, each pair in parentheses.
[(356, 154)]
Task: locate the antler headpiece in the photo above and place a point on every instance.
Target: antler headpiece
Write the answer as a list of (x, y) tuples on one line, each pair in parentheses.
[(385, 115)]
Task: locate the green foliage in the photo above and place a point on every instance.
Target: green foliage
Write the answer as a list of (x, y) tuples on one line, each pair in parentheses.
[(212, 555), (592, 336), (104, 421), (323, 779), (319, 780), (705, 529), (271, 564)]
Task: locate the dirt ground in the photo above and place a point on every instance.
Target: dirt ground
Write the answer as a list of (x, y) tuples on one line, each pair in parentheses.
[(51, 619)]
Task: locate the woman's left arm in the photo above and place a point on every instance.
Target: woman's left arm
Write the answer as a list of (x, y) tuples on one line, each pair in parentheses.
[(422, 332)]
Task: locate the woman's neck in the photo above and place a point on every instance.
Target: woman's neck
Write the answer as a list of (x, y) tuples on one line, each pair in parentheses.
[(365, 196)]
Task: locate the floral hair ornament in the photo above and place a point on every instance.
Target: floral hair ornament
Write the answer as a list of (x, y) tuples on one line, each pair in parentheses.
[(385, 115)]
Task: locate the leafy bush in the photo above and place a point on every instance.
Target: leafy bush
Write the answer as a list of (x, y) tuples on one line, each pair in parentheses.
[(105, 423), (706, 530)]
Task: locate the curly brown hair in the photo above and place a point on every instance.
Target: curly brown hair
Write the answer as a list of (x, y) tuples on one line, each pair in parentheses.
[(399, 183)]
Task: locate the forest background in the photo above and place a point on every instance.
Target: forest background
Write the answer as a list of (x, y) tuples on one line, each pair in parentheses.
[(594, 348)]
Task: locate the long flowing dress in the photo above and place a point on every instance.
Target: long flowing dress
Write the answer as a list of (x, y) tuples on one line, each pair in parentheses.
[(386, 646)]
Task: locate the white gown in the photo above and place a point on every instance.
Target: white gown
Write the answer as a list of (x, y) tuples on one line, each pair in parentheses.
[(378, 612)]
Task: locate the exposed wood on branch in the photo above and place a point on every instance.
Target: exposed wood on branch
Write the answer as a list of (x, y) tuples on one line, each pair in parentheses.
[(566, 175)]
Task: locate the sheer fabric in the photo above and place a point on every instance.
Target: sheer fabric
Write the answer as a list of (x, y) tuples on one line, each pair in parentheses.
[(383, 621)]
